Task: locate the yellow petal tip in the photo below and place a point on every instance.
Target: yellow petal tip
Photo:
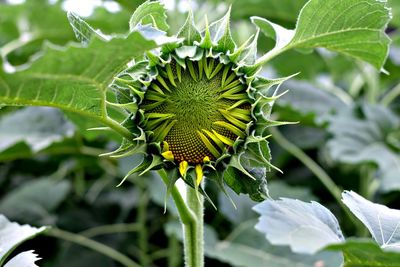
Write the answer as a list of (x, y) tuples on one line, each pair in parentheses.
[(183, 166), (168, 155), (206, 159), (199, 174), (165, 147)]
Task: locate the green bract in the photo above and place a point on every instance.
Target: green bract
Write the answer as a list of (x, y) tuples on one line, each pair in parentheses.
[(198, 109)]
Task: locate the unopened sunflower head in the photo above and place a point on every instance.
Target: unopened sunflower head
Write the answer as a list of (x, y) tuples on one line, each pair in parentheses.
[(198, 109)]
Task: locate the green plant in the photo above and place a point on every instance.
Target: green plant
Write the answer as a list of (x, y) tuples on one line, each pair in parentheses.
[(196, 105)]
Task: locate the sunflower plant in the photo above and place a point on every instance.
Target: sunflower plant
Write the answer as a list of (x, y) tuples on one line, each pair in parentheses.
[(195, 103), (197, 109)]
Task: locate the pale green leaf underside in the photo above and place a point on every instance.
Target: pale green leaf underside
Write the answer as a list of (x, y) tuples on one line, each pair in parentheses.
[(351, 27), (13, 234), (23, 259), (382, 222), (37, 127), (75, 78), (305, 227), (245, 247), (359, 140)]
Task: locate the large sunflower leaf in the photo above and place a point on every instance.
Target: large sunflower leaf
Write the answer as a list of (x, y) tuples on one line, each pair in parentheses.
[(352, 27), (245, 247), (305, 227), (74, 78), (12, 234), (24, 28), (44, 195), (25, 259), (38, 128), (360, 253), (367, 139), (306, 102), (281, 10), (382, 222)]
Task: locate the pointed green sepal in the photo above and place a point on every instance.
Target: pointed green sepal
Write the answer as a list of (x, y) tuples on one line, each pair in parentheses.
[(221, 34), (189, 31), (206, 41)]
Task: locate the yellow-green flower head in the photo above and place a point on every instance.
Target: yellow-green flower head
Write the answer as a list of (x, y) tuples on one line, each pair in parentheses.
[(198, 109)]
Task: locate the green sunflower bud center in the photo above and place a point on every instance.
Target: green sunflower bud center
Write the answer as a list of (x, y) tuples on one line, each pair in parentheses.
[(198, 111)]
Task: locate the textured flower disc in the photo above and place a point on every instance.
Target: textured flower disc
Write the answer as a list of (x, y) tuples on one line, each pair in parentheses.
[(196, 112)]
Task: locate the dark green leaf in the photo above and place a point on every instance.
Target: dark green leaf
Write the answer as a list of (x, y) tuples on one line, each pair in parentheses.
[(340, 26), (75, 78), (365, 253)]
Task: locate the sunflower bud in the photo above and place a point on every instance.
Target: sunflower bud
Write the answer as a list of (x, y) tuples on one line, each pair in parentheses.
[(201, 110)]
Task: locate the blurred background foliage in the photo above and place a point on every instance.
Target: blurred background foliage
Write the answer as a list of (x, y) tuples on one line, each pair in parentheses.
[(50, 172)]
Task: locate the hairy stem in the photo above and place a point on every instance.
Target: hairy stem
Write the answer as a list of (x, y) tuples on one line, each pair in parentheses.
[(143, 235), (191, 216), (117, 128), (194, 235), (324, 178), (94, 245)]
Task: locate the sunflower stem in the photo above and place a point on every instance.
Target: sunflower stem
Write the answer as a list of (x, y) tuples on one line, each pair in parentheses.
[(191, 216), (194, 237)]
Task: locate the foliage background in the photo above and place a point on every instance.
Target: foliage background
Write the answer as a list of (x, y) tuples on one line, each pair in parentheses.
[(50, 172)]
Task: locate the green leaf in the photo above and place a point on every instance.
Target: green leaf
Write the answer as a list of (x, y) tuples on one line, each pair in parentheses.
[(305, 101), (153, 13), (38, 128), (74, 78), (362, 138), (245, 247), (240, 212), (383, 223), (251, 181), (27, 26), (278, 188), (12, 234), (83, 31), (305, 227), (395, 5), (282, 10), (44, 195), (363, 253), (26, 259), (352, 27)]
